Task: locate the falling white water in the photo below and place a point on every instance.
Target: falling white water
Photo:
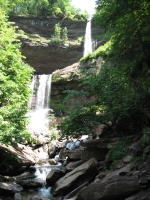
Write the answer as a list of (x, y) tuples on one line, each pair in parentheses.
[(88, 39), (39, 115), (32, 88), (43, 92)]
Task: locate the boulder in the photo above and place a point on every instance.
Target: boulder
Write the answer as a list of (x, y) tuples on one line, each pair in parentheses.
[(51, 150), (52, 162), (97, 148), (120, 187), (13, 158), (30, 183), (124, 170), (100, 143), (116, 188), (73, 194), (17, 196), (53, 176), (7, 179), (98, 153), (25, 175), (10, 188), (42, 152), (74, 154), (75, 178), (72, 165)]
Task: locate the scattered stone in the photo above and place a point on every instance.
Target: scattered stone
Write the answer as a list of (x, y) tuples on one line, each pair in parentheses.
[(30, 183), (52, 162), (10, 188), (127, 159)]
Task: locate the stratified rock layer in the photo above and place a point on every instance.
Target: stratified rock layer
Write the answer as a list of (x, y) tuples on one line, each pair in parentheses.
[(44, 57)]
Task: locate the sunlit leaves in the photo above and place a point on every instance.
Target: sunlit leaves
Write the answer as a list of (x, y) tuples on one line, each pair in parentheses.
[(41, 8), (15, 76)]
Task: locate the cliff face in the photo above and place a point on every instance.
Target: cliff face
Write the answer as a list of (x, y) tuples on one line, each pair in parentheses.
[(60, 60), (44, 57), (44, 26)]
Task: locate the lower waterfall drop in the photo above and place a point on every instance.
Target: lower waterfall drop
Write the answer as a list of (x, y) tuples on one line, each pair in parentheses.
[(39, 104)]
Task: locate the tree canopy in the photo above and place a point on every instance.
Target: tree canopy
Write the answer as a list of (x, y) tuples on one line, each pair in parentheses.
[(15, 76), (41, 8)]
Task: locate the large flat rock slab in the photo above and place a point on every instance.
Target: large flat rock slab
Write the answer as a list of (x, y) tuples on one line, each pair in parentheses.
[(14, 158), (116, 188), (75, 178)]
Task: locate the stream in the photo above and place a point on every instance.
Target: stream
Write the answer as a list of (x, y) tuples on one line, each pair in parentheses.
[(40, 175)]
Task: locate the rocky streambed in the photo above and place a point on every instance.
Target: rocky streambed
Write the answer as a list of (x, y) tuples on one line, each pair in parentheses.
[(79, 169)]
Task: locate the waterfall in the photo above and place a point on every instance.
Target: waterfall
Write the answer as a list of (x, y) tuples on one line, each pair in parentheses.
[(88, 39), (39, 104), (43, 92), (90, 44)]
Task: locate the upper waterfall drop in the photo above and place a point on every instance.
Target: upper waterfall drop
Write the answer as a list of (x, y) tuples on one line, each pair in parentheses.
[(88, 39)]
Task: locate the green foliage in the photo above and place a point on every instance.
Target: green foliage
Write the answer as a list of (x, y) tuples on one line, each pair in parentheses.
[(56, 77), (60, 35), (81, 120), (145, 141), (15, 76), (145, 150), (103, 50), (119, 150), (56, 41), (127, 25), (65, 33), (114, 99), (54, 132), (57, 31), (41, 8), (121, 85)]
